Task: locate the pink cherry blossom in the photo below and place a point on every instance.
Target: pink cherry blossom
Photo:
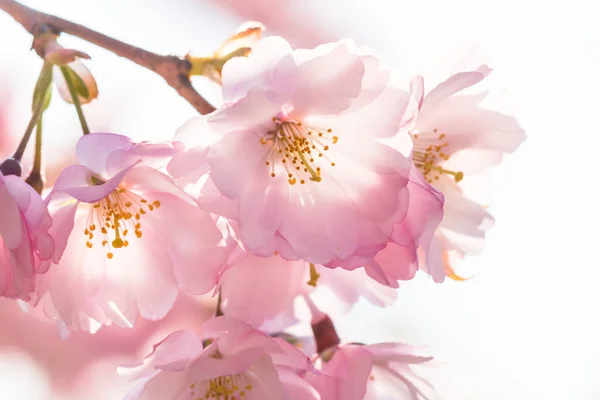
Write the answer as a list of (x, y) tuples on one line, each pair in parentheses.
[(24, 238), (296, 151), (228, 359), (128, 237), (370, 372), (454, 136), (267, 291)]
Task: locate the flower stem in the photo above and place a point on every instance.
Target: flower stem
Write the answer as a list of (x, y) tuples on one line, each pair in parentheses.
[(38, 109), (218, 311), (37, 161), (75, 98), (35, 177)]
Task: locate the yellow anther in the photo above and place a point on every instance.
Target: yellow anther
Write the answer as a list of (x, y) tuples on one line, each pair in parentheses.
[(314, 276)]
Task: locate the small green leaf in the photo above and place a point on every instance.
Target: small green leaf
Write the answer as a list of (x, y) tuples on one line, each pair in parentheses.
[(79, 84)]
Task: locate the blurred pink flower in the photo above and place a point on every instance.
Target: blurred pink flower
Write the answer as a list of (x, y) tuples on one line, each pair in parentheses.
[(370, 372), (24, 238), (128, 237), (265, 291), (295, 150), (86, 367), (227, 360), (281, 18), (455, 136)]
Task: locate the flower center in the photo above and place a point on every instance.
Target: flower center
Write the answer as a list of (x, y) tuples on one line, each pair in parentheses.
[(115, 216), (227, 387), (428, 154), (298, 147)]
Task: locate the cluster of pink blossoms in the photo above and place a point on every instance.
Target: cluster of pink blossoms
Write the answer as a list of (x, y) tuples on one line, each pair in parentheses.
[(290, 197)]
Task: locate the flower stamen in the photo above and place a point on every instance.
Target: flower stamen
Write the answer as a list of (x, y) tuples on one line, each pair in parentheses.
[(115, 214), (227, 387), (314, 276), (297, 145), (428, 154)]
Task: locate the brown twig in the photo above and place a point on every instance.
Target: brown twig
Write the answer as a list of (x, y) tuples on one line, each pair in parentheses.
[(172, 69)]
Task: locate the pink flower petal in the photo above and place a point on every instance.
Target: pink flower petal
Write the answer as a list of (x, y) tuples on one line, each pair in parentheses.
[(262, 208), (258, 70), (230, 176), (297, 388), (453, 85), (192, 240), (77, 182), (350, 367), (189, 166), (274, 286), (328, 82), (165, 385), (10, 223), (254, 112), (93, 149)]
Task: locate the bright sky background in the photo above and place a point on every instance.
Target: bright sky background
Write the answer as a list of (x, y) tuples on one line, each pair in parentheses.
[(526, 327)]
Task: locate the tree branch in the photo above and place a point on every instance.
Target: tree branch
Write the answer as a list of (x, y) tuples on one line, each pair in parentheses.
[(172, 69)]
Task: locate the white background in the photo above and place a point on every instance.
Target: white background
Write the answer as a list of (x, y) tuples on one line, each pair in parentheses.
[(526, 326)]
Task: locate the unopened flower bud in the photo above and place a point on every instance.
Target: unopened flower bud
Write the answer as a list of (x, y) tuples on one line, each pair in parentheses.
[(239, 44), (58, 55), (70, 60), (11, 166)]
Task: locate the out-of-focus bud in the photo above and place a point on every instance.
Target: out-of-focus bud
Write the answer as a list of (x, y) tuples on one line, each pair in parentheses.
[(70, 59), (239, 44), (85, 84), (11, 166), (325, 334)]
